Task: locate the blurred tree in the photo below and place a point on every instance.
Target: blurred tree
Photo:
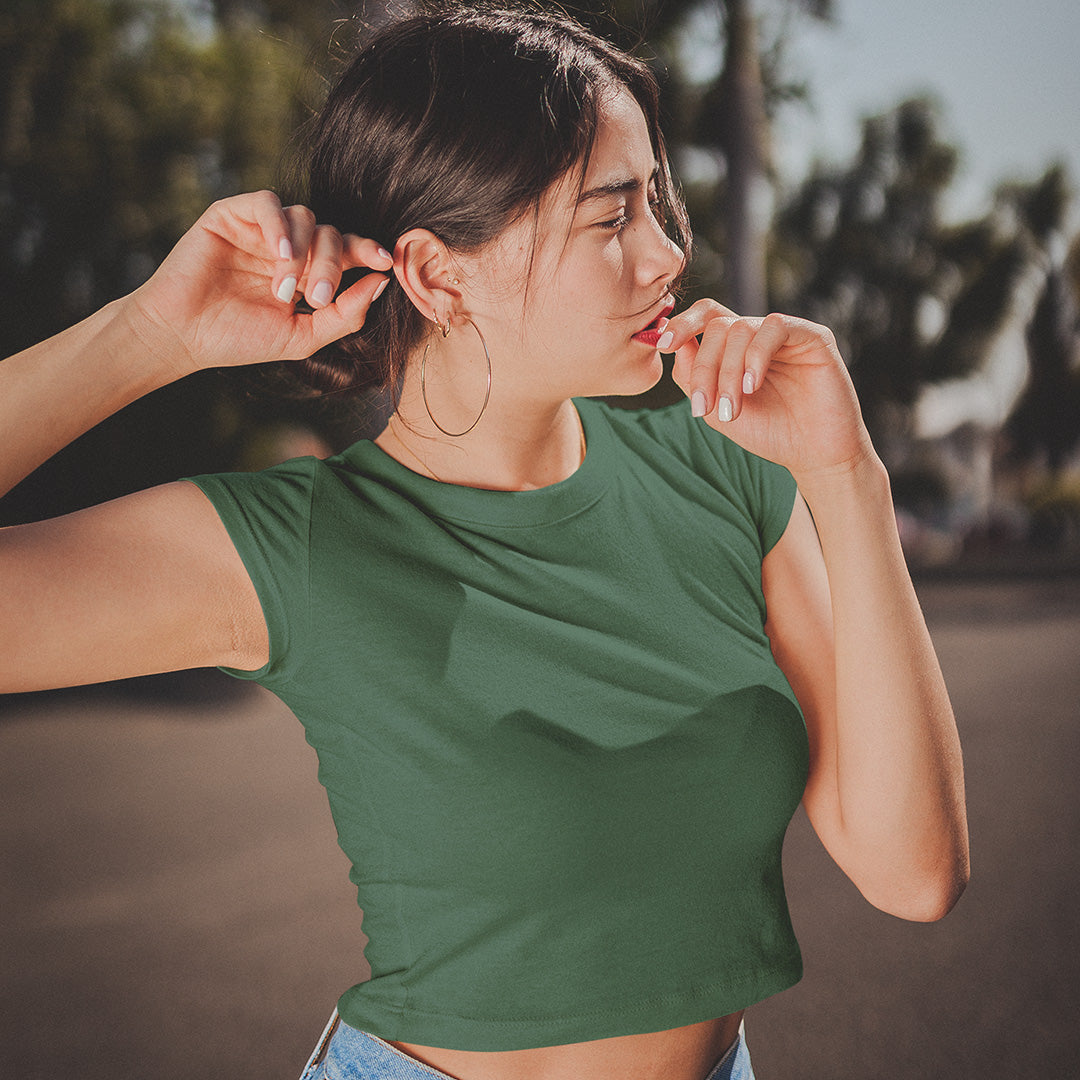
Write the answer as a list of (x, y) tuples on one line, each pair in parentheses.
[(120, 120), (858, 248), (1046, 423)]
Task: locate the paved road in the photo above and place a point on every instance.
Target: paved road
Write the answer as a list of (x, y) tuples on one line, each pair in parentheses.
[(173, 906)]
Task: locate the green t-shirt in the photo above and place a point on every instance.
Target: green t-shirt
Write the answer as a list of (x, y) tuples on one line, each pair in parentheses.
[(557, 749)]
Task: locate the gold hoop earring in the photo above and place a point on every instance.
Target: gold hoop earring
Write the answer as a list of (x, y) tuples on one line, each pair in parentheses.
[(487, 392), (445, 329)]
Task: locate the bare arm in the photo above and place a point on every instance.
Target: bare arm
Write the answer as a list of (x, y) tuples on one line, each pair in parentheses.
[(152, 582), (215, 301), (147, 583), (886, 789), (885, 792)]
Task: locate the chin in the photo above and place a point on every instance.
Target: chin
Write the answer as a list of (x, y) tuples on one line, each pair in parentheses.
[(645, 377), (631, 379)]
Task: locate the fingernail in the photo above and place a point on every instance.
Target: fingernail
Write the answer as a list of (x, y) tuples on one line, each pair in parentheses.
[(723, 410), (284, 248), (286, 289), (748, 382), (379, 288), (697, 403), (664, 341), (322, 294), (386, 254)]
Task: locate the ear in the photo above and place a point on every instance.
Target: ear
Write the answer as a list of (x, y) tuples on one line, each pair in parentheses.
[(425, 270)]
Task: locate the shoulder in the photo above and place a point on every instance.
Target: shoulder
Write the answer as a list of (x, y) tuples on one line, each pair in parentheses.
[(672, 440)]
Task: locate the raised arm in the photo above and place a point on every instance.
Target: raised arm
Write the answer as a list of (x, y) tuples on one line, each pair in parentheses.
[(222, 297), (886, 791), (151, 582)]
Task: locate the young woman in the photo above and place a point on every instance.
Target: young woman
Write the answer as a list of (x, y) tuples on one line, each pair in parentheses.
[(568, 669)]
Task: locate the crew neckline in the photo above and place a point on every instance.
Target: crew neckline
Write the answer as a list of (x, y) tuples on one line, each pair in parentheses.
[(524, 509)]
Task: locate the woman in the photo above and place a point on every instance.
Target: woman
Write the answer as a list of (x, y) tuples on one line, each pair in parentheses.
[(568, 669)]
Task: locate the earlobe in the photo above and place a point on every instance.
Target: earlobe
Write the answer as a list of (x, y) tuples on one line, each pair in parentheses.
[(424, 269)]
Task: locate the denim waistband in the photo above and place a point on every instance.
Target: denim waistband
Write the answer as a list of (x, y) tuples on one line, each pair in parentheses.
[(344, 1053)]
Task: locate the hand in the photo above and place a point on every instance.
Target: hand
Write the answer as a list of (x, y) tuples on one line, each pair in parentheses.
[(225, 294), (776, 385)]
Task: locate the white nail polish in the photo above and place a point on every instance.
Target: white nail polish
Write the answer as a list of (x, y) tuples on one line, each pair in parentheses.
[(748, 382), (284, 248), (723, 410), (379, 289), (286, 289), (697, 403), (665, 340), (322, 294)]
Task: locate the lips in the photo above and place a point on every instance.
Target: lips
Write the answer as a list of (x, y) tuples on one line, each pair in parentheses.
[(650, 334)]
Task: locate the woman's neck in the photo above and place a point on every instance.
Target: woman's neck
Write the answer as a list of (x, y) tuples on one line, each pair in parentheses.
[(507, 450)]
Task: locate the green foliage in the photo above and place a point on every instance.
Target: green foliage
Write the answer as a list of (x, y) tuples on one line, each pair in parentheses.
[(120, 120)]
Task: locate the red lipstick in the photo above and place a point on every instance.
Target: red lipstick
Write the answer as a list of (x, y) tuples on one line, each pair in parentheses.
[(650, 335)]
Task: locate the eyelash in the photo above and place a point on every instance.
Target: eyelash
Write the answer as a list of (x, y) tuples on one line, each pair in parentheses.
[(619, 223)]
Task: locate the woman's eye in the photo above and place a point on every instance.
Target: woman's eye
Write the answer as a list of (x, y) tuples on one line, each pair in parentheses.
[(616, 223)]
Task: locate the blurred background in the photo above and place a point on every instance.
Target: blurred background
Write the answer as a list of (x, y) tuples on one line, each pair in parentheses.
[(904, 173)]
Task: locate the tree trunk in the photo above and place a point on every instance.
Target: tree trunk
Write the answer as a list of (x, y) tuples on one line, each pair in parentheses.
[(748, 198)]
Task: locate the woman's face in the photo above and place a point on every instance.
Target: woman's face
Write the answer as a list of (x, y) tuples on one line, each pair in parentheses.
[(601, 265)]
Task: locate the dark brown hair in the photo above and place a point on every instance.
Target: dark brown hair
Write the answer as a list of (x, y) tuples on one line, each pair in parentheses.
[(458, 122)]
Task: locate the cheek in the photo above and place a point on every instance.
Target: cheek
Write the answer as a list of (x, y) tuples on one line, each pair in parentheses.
[(597, 284)]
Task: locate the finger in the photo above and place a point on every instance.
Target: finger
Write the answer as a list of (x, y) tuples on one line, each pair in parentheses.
[(301, 223), (732, 368), (705, 368), (264, 210), (347, 313), (359, 251), (692, 322), (771, 336), (323, 271)]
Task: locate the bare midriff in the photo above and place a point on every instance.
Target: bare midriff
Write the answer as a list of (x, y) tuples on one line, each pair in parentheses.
[(684, 1053)]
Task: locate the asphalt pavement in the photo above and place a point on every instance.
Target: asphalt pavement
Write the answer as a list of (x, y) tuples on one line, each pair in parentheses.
[(173, 904)]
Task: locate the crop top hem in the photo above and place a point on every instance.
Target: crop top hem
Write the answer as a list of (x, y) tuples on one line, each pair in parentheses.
[(451, 1032)]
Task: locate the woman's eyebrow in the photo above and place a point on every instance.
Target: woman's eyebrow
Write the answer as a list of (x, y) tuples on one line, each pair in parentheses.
[(615, 187)]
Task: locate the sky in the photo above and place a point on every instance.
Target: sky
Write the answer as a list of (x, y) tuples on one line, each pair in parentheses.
[(1007, 76)]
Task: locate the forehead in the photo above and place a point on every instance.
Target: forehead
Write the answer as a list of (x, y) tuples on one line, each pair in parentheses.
[(622, 154), (623, 147)]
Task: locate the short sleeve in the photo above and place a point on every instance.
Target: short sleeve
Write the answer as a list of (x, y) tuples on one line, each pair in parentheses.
[(765, 490), (773, 494), (268, 517)]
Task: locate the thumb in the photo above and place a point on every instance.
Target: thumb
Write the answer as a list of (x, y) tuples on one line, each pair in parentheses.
[(348, 312)]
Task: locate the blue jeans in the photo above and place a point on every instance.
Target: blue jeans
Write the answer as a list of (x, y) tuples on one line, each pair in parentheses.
[(343, 1053)]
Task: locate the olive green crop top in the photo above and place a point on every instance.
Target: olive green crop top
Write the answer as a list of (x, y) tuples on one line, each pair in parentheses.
[(558, 751)]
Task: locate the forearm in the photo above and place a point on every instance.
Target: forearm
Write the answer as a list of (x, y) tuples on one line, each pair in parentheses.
[(895, 754), (56, 390)]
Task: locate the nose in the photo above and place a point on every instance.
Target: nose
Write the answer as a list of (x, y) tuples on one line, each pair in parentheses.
[(662, 259)]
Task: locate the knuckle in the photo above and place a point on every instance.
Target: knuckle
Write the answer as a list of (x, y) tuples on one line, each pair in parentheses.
[(328, 237), (742, 331)]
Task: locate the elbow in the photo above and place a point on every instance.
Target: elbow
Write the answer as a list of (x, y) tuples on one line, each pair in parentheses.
[(928, 899)]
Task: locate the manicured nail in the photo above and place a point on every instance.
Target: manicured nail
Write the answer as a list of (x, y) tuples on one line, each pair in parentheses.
[(286, 289), (723, 410), (379, 289), (748, 382), (284, 248), (386, 254), (322, 294), (697, 403), (665, 340)]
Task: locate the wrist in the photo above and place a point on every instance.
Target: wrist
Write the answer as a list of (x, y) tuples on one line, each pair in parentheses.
[(863, 475), (157, 352)]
